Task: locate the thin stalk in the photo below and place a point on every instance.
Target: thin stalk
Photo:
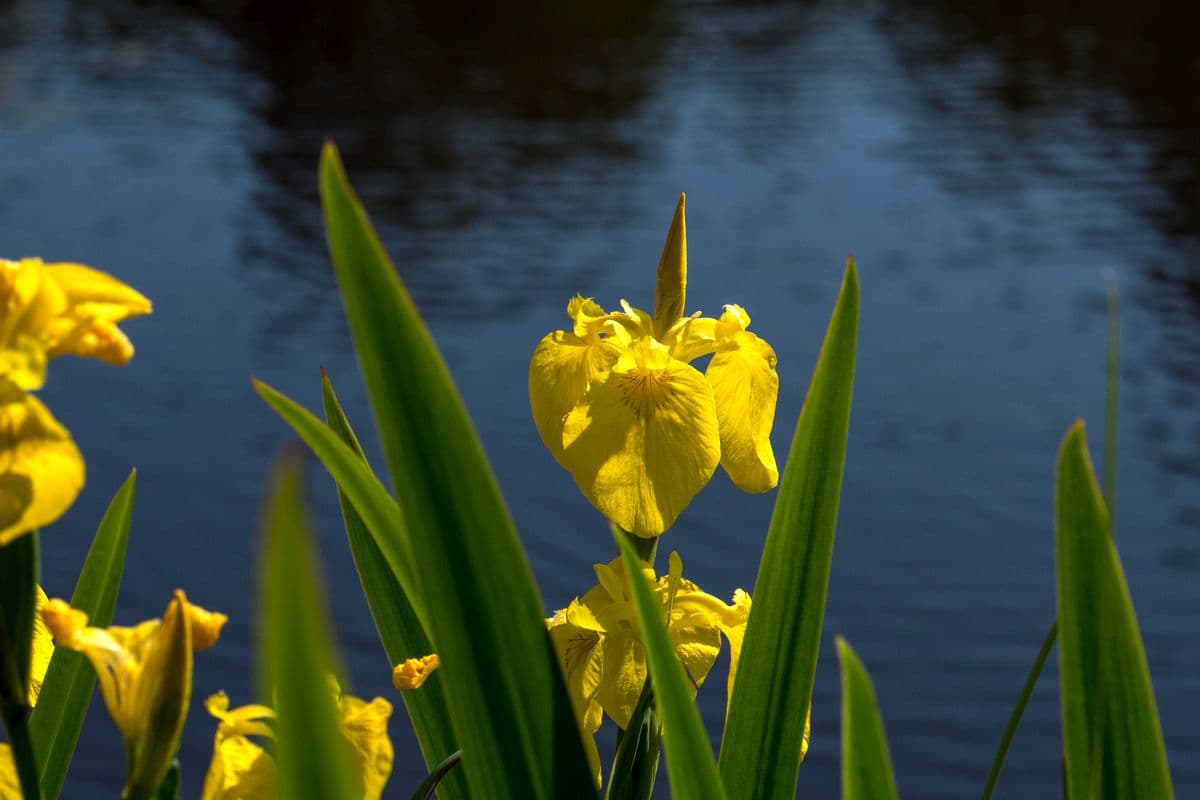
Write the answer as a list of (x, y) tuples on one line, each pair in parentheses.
[(1018, 711), (1111, 397)]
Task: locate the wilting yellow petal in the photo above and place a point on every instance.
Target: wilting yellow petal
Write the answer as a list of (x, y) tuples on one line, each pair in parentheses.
[(413, 672), (365, 727), (41, 470), (745, 386), (43, 649), (670, 291), (642, 442)]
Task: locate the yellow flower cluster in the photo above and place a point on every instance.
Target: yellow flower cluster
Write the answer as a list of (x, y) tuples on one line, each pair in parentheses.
[(145, 676), (618, 404), (599, 642), (242, 769), (49, 310)]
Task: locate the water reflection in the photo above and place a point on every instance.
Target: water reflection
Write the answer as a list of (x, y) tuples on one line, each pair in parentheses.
[(981, 163)]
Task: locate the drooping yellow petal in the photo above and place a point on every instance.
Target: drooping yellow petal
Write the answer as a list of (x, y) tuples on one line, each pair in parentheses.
[(240, 770), (745, 386), (365, 727), (734, 628), (43, 649), (41, 469), (642, 442), (562, 368), (670, 290), (413, 672)]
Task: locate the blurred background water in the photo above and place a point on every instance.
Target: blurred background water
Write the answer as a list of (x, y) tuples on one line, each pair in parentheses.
[(984, 164)]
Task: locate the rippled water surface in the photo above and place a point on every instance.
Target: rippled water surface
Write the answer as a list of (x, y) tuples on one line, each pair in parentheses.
[(985, 168)]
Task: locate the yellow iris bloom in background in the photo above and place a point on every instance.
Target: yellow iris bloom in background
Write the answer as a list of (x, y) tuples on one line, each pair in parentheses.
[(145, 676), (619, 405), (599, 643), (48, 310), (241, 769), (414, 671)]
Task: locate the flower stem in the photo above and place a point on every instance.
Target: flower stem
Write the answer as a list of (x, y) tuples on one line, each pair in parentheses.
[(16, 724)]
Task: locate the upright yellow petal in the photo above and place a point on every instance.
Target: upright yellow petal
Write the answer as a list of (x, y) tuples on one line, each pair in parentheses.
[(642, 442), (41, 469), (161, 694), (745, 385), (670, 290)]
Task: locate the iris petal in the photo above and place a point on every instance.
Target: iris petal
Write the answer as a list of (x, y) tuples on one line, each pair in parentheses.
[(746, 386), (642, 442), (562, 367), (41, 469)]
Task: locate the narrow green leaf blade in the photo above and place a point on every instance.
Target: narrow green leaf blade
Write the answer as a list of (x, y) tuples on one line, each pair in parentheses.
[(1112, 738), (760, 751), (396, 620), (513, 720), (18, 601), (67, 688), (297, 652), (866, 763), (690, 764)]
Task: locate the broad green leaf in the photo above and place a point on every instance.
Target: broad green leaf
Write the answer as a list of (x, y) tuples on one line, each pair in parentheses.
[(481, 607), (1112, 738), (690, 764), (396, 620), (297, 652), (67, 688), (866, 764), (764, 730)]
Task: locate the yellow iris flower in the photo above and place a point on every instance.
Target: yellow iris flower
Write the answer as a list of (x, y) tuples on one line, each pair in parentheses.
[(619, 405), (241, 769), (48, 310), (599, 643), (145, 676)]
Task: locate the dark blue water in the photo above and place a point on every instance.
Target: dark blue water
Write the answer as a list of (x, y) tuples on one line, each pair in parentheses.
[(985, 168)]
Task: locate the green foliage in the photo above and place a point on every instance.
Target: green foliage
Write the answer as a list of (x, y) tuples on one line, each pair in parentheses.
[(474, 591), (760, 751), (400, 630), (70, 679), (1112, 738), (690, 764), (18, 604), (297, 655), (866, 764)]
